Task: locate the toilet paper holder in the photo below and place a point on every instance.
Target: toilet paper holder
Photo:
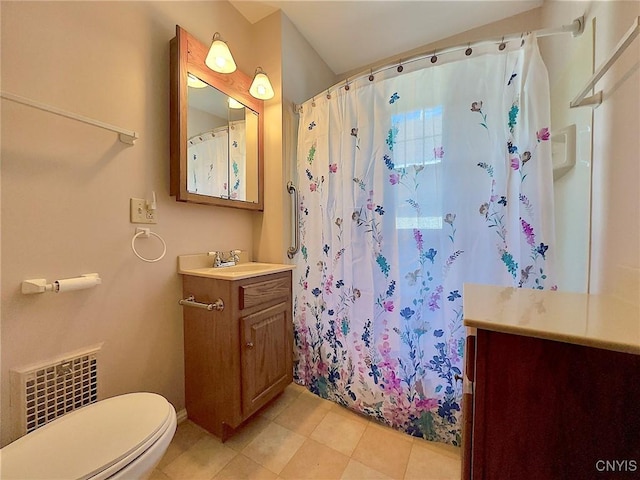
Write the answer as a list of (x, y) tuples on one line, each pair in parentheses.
[(40, 285)]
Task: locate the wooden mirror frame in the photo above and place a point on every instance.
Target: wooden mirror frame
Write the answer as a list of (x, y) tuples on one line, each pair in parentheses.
[(187, 56)]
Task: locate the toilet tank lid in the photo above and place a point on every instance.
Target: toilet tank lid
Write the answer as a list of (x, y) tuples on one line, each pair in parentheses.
[(89, 440)]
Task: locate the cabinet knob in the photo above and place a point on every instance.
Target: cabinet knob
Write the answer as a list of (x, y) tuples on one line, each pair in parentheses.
[(249, 344)]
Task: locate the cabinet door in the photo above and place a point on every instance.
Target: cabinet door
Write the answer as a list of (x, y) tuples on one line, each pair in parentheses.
[(266, 355)]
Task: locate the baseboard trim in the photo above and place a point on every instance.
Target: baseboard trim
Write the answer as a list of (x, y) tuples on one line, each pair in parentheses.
[(181, 415)]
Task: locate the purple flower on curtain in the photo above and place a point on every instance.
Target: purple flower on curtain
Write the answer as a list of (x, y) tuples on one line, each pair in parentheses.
[(527, 229), (515, 163), (434, 298), (438, 152), (394, 179), (388, 305), (417, 235), (333, 168), (543, 134)]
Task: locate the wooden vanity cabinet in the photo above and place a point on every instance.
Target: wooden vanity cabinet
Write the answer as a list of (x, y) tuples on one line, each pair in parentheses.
[(237, 359), (545, 409)]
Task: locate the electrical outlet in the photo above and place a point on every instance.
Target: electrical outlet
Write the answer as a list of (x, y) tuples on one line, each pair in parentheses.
[(141, 213)]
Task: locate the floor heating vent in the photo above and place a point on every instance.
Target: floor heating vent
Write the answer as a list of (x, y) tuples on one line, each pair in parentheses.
[(45, 392)]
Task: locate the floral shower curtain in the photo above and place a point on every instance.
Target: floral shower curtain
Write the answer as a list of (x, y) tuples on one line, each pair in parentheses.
[(409, 186), (216, 162)]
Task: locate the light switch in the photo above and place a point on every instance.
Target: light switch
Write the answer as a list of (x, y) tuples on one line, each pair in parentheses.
[(141, 213)]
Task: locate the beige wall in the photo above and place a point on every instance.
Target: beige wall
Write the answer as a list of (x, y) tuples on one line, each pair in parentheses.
[(66, 186)]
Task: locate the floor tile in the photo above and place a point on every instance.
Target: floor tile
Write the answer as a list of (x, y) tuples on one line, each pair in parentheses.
[(273, 447), (345, 412), (187, 434), (247, 432), (303, 414), (432, 462), (202, 461), (279, 403), (384, 450), (339, 432), (314, 461), (158, 475), (358, 471), (243, 468)]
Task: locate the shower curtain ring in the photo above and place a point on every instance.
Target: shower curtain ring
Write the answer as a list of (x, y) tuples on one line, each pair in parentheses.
[(371, 77), (328, 95), (434, 57), (400, 67), (346, 85), (502, 45), (469, 50)]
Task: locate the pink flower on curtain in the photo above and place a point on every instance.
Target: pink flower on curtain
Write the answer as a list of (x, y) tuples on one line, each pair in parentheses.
[(417, 234), (425, 404), (543, 134), (438, 152), (394, 179), (388, 305), (333, 168), (515, 163), (527, 229)]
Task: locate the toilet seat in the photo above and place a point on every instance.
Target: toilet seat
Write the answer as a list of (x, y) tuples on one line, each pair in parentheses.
[(93, 442)]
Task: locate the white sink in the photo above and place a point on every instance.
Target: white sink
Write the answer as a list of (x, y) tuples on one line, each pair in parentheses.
[(237, 272)]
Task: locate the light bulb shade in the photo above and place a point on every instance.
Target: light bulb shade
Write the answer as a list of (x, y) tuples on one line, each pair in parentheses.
[(233, 103), (195, 82), (261, 86), (219, 58)]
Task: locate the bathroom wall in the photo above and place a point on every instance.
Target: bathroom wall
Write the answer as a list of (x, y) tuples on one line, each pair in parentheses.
[(66, 187), (298, 72), (615, 201)]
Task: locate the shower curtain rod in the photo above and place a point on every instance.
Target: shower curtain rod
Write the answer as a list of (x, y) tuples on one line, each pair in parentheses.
[(575, 29)]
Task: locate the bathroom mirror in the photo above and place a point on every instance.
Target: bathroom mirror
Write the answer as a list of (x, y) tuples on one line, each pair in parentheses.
[(216, 131)]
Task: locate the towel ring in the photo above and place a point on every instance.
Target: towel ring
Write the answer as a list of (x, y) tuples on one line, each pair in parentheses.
[(145, 232)]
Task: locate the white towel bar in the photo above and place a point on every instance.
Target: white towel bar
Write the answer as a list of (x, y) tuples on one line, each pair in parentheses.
[(595, 100), (125, 136)]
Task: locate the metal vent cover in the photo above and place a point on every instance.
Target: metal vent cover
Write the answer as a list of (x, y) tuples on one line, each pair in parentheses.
[(45, 392)]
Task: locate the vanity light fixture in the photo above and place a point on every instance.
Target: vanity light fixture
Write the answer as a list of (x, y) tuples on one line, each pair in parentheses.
[(219, 58), (261, 86), (195, 82), (233, 103)]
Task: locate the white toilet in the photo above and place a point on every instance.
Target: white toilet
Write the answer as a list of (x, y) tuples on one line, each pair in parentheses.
[(122, 437)]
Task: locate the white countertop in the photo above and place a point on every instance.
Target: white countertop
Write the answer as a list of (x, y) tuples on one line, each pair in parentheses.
[(597, 321)]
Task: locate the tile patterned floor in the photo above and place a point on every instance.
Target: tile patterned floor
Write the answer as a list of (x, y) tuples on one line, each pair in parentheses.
[(301, 436)]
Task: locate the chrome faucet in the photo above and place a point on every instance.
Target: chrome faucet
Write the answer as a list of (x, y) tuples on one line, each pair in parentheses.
[(220, 261)]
